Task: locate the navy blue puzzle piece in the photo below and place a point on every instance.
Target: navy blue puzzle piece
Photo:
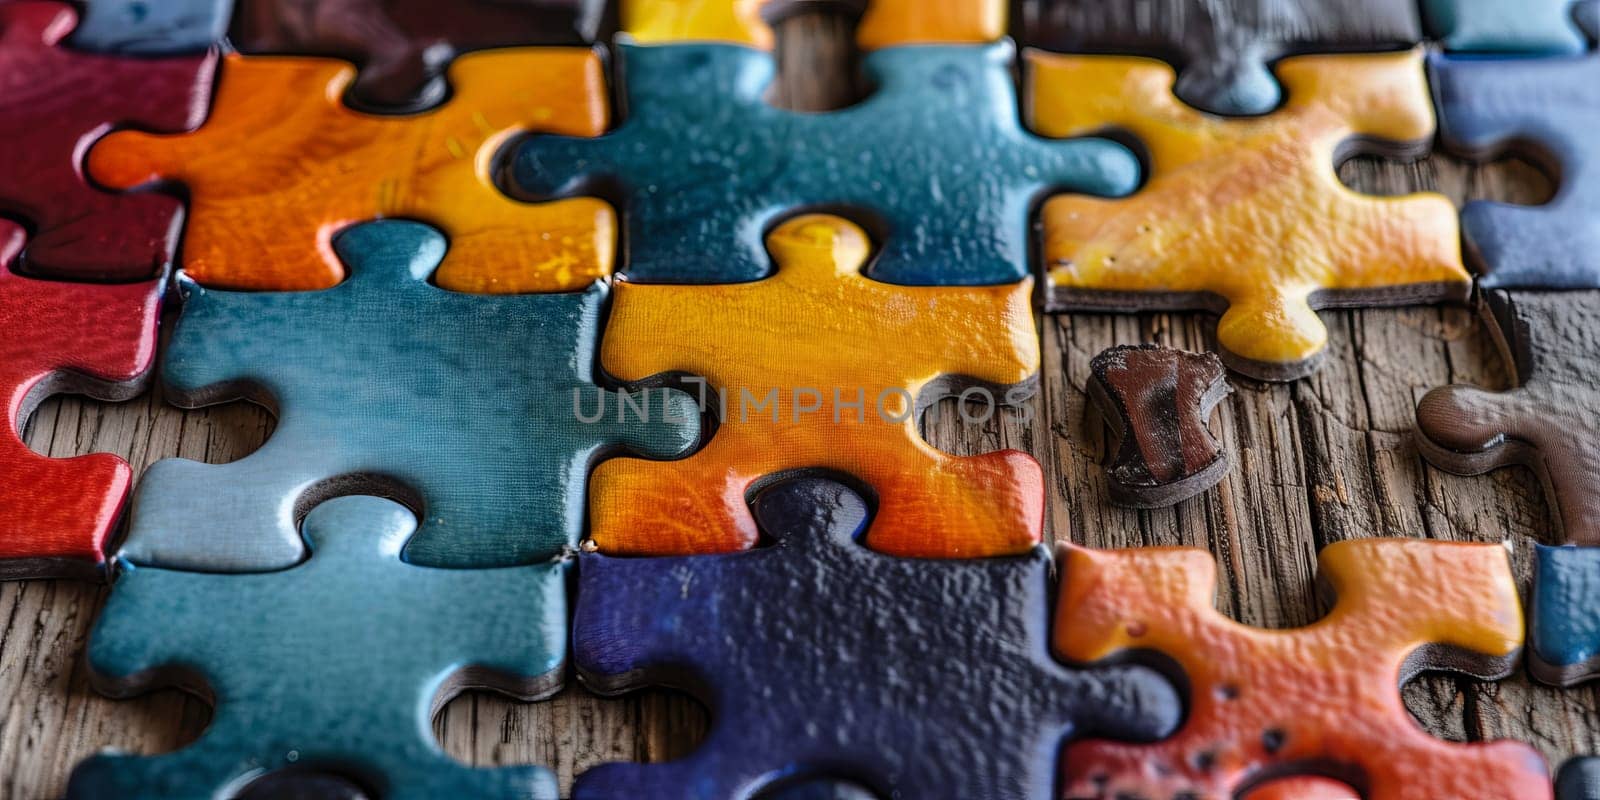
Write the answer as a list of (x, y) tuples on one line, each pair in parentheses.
[(1565, 608), (1579, 779), (151, 27), (703, 166), (326, 674), (1547, 109), (817, 656)]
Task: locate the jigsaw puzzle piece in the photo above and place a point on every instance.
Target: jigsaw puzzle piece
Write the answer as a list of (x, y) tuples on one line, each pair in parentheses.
[(1320, 700), (1547, 109), (95, 339), (56, 102), (1495, 26), (703, 166), (316, 166), (951, 690), (403, 46), (884, 23), (151, 27), (1223, 51), (1154, 403), (1547, 423), (332, 667), (477, 411), (805, 383), (1579, 779), (1247, 217)]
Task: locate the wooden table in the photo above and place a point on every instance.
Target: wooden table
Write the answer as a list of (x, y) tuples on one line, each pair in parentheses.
[(1327, 458)]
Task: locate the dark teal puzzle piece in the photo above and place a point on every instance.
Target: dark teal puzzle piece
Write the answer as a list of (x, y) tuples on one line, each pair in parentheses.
[(461, 406), (821, 659), (703, 166), (328, 671)]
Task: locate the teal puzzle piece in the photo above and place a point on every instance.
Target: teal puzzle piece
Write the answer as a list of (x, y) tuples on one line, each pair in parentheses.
[(703, 166), (330, 668), (479, 412), (1543, 27)]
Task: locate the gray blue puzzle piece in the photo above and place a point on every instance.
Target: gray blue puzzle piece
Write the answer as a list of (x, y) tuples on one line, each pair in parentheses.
[(151, 27), (703, 166), (461, 406), (1565, 608), (327, 672)]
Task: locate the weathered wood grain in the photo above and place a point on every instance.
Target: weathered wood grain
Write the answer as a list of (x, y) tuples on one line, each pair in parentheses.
[(1327, 458)]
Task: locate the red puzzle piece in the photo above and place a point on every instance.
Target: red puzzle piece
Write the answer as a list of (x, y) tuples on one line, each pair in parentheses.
[(94, 339), (54, 102)]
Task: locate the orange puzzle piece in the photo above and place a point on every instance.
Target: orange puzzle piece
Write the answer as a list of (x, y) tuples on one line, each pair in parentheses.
[(791, 353), (1319, 700), (1247, 217), (884, 23), (282, 165)]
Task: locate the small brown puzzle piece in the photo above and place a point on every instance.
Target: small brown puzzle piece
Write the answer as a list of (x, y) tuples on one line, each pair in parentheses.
[(1321, 700), (1153, 403)]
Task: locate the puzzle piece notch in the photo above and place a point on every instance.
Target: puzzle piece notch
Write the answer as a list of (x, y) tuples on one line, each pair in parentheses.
[(704, 165), (56, 514), (1154, 403), (334, 665), (1223, 51), (57, 101), (787, 354), (950, 690), (151, 27), (1274, 703), (404, 46), (478, 411), (1546, 109), (317, 166), (1537, 27), (1247, 217), (884, 23)]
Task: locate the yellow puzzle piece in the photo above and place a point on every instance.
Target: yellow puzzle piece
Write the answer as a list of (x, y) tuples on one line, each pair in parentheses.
[(885, 23), (819, 368), (281, 165), (1247, 216)]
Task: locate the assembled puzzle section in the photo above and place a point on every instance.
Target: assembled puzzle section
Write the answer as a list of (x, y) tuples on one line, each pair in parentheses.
[(315, 166), (1246, 217), (466, 407), (702, 166), (1153, 404), (796, 365), (914, 678), (55, 103), (1547, 423), (1547, 109), (402, 47), (1223, 51), (1321, 700), (57, 514), (329, 670)]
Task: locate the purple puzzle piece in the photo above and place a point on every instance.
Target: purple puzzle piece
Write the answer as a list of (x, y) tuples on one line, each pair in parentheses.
[(819, 657)]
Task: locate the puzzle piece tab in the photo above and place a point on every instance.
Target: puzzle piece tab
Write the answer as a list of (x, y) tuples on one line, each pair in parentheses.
[(1544, 27), (329, 669), (1319, 700), (281, 166), (884, 23), (1247, 217), (1223, 51), (55, 102), (1154, 403), (807, 383), (467, 407), (1549, 424), (703, 166), (151, 27), (917, 678), (1547, 109), (95, 339), (402, 46)]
